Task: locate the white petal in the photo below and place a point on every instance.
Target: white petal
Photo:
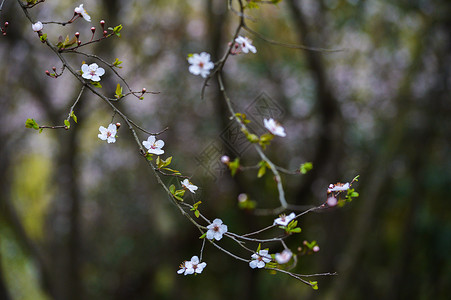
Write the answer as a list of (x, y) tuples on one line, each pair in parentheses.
[(102, 136), (159, 144), (100, 71), (253, 264), (94, 77)]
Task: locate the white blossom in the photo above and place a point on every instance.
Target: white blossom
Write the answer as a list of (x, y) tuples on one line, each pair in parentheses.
[(184, 267), (37, 26), (81, 11), (92, 72), (274, 127), (260, 259), (284, 257), (194, 266), (315, 248), (283, 220), (188, 185), (338, 187), (108, 134), (245, 44), (216, 230), (200, 64), (153, 145)]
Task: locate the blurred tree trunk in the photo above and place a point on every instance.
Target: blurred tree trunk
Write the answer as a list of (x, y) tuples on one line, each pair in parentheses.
[(328, 148), (375, 182)]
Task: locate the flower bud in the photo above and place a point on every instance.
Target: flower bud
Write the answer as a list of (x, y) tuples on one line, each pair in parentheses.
[(242, 197), (315, 248), (144, 90), (102, 23), (118, 125), (77, 35), (332, 201), (93, 29), (37, 26), (6, 24), (54, 69), (47, 72), (225, 159), (79, 42), (105, 32)]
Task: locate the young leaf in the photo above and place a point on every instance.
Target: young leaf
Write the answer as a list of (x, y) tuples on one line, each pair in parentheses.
[(172, 189), (305, 167), (31, 123), (314, 284), (96, 84), (116, 63), (118, 94), (73, 116), (262, 169), (67, 123)]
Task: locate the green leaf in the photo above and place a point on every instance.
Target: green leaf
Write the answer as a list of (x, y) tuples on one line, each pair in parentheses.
[(96, 84), (262, 169), (259, 247), (196, 213), (234, 166), (305, 167), (265, 139), (73, 116), (172, 189), (356, 178), (116, 30), (116, 63), (31, 123), (149, 156), (118, 94), (173, 171), (43, 37), (314, 284), (67, 123), (203, 236), (253, 138)]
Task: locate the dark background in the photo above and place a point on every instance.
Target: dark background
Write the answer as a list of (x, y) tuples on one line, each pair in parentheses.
[(82, 219)]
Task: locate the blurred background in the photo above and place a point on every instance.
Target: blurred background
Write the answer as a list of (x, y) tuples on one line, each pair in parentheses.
[(83, 219)]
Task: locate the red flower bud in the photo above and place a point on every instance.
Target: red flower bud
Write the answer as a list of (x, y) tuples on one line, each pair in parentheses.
[(118, 125), (102, 23), (47, 72), (6, 24), (144, 90), (93, 29), (77, 35)]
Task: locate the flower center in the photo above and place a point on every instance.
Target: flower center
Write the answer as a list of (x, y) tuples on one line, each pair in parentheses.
[(108, 134), (216, 228), (201, 64)]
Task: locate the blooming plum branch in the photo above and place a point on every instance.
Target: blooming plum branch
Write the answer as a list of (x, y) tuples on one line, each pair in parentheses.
[(152, 148)]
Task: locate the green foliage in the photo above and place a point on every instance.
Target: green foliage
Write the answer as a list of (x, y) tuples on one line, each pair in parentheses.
[(314, 284), (234, 166), (116, 30), (262, 170), (306, 167), (178, 194), (291, 227), (66, 43), (31, 123), (43, 37), (265, 139), (242, 118), (118, 92), (67, 124), (117, 63), (195, 208), (73, 116), (96, 84)]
